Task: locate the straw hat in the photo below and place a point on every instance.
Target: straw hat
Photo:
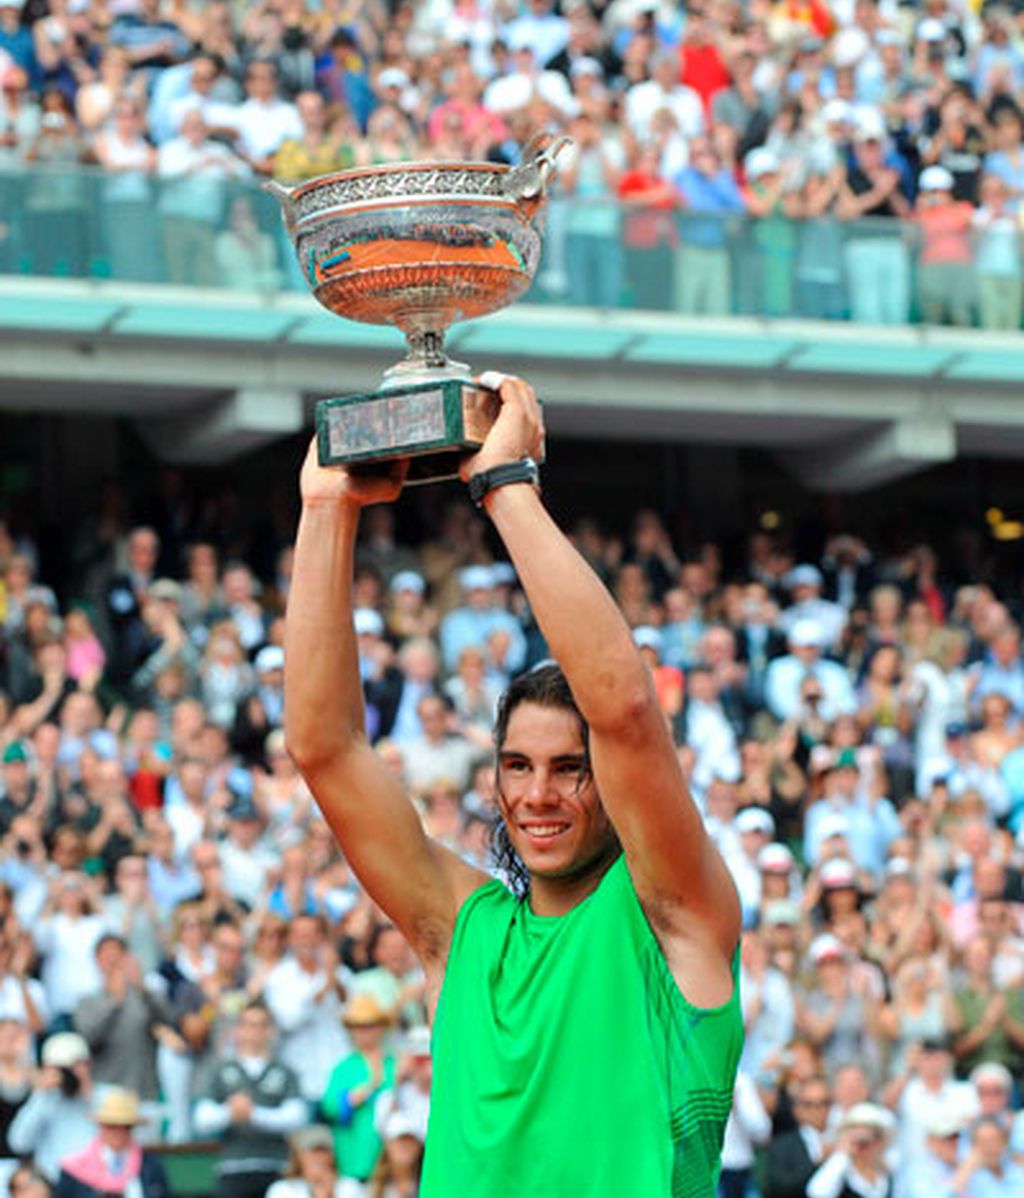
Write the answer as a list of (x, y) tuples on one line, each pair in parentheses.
[(364, 1010), (119, 1108)]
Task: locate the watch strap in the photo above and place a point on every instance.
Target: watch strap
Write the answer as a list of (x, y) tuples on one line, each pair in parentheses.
[(524, 470)]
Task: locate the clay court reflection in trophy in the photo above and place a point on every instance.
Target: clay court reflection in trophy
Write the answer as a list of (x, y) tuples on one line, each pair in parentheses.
[(420, 246)]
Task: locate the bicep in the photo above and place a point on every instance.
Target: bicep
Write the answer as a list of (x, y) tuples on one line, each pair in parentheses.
[(672, 860), (419, 884)]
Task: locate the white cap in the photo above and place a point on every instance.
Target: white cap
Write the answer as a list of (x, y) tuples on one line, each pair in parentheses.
[(833, 823), (838, 874), (827, 947), (754, 819), (804, 576), (782, 911), (503, 574), (868, 1114), (807, 634), (944, 1122), (775, 859), (408, 580), (836, 111), (870, 125), (931, 30), (476, 578), (586, 66), (398, 1123), (935, 178), (849, 46), (65, 1049), (760, 161), (393, 77), (270, 657), (367, 622), (647, 637)]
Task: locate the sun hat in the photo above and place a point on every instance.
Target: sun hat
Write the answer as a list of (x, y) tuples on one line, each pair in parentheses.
[(868, 1114), (363, 1010), (118, 1108)]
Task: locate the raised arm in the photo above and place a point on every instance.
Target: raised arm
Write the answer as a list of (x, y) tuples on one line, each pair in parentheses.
[(679, 877), (418, 883)]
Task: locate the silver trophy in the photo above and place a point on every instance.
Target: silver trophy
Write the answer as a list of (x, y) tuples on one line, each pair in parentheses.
[(418, 245)]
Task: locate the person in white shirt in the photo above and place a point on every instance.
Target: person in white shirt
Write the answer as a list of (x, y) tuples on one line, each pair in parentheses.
[(193, 170), (264, 120), (924, 1090), (303, 996), (245, 857), (805, 585), (663, 90), (22, 998), (411, 1093), (66, 937), (858, 1165), (785, 676), (540, 28), (749, 1126)]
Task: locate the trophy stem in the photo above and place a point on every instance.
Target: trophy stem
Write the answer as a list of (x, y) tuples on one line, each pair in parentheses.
[(425, 362)]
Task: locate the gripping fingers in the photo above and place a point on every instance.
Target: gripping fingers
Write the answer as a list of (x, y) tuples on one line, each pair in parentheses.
[(516, 393)]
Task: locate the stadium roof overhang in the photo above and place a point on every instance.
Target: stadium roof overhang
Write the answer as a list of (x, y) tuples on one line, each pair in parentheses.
[(207, 376)]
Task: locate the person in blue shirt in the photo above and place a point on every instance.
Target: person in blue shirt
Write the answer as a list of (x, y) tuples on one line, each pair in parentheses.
[(479, 618), (931, 1175), (988, 1171), (710, 196), (16, 39)]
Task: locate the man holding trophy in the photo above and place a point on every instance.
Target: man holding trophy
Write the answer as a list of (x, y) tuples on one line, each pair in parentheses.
[(586, 1031)]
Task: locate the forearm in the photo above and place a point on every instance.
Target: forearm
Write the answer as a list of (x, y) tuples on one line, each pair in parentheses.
[(573, 608), (325, 708)]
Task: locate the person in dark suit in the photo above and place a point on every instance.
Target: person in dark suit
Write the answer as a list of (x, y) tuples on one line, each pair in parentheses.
[(791, 1158)]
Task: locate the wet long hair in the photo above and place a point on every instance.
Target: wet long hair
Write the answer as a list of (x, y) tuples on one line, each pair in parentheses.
[(545, 686)]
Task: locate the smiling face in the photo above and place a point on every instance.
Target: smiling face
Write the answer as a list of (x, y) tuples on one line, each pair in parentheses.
[(550, 805)]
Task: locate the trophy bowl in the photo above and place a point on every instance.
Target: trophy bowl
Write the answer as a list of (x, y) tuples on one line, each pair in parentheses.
[(419, 245)]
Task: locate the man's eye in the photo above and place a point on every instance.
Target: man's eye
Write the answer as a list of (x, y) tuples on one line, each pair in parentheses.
[(515, 767)]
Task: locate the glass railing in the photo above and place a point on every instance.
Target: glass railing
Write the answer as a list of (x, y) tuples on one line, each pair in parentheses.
[(202, 231)]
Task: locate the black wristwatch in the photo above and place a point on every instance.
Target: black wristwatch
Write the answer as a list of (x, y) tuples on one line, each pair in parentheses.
[(522, 471)]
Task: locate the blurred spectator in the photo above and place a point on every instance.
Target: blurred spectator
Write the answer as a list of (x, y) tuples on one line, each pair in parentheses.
[(57, 1118), (349, 1101), (114, 1161), (246, 256), (302, 994), (311, 1170), (56, 200), (122, 1021), (946, 275), (710, 195), (193, 169), (253, 1105)]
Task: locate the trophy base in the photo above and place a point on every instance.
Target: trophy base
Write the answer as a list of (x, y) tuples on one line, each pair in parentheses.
[(434, 423)]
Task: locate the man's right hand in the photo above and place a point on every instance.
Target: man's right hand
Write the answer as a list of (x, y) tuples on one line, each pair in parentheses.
[(337, 484)]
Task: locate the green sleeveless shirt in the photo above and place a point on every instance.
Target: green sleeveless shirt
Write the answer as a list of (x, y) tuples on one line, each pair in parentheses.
[(569, 1065)]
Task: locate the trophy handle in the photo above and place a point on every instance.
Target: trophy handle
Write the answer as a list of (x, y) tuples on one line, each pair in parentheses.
[(526, 183), (283, 195)]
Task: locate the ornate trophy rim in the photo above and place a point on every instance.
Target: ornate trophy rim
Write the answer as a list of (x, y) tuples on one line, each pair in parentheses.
[(396, 168)]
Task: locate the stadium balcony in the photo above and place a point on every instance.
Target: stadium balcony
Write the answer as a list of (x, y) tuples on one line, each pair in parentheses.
[(201, 332)]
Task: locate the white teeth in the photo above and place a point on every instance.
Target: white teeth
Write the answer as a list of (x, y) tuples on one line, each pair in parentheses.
[(545, 829)]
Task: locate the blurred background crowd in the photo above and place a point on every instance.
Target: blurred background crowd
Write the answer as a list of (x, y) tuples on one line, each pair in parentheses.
[(183, 948), (857, 159)]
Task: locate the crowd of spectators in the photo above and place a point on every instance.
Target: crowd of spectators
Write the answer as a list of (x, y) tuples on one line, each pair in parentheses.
[(860, 158), (181, 940)]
